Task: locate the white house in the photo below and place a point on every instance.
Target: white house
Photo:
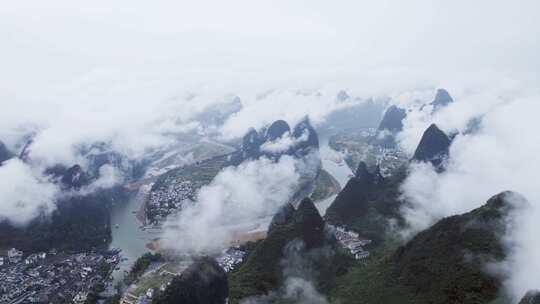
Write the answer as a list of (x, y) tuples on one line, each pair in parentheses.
[(15, 255)]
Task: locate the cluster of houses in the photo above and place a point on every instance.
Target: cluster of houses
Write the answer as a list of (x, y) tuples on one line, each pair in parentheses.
[(230, 258), (390, 160), (166, 200), (145, 297), (47, 277), (352, 242)]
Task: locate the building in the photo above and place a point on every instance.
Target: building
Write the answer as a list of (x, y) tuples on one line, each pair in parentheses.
[(80, 297), (351, 240), (33, 258), (14, 255), (361, 255)]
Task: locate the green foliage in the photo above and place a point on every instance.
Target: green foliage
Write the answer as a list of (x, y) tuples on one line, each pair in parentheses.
[(204, 282), (140, 266), (262, 272), (441, 265), (370, 282), (366, 207)]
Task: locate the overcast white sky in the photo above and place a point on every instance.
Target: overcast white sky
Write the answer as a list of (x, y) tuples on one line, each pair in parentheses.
[(118, 70), (53, 42), (94, 64)]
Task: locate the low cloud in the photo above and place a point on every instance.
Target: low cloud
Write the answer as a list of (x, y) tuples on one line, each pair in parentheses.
[(284, 143), (108, 177), (25, 193), (238, 200), (291, 105)]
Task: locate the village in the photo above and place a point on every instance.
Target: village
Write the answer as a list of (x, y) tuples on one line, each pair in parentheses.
[(164, 201), (230, 258), (53, 277), (352, 242)]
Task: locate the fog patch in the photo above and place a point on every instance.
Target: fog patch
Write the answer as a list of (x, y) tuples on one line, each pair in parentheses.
[(238, 200), (25, 193)]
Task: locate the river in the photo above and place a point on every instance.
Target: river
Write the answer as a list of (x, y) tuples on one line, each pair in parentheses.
[(333, 163), (127, 235)]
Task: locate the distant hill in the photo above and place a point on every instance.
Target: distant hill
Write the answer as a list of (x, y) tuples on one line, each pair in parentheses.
[(277, 140), (434, 147), (354, 118), (442, 99), (392, 120)]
